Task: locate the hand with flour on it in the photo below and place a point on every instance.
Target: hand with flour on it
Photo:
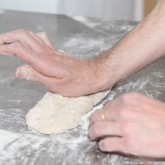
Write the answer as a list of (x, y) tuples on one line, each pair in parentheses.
[(131, 124)]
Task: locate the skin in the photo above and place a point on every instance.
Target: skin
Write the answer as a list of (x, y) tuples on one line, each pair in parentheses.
[(134, 123), (49, 67)]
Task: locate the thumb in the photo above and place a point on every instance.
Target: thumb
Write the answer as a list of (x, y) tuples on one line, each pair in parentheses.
[(23, 72), (29, 73), (43, 36)]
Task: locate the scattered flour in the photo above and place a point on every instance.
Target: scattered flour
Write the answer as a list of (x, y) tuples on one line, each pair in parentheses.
[(72, 147), (6, 138)]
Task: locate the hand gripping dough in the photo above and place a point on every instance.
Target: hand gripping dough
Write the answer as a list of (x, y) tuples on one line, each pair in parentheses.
[(56, 114)]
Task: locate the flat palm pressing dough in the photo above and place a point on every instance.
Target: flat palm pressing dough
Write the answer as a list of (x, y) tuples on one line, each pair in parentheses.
[(56, 114)]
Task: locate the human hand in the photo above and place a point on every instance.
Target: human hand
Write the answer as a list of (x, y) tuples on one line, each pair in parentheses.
[(134, 124), (58, 72)]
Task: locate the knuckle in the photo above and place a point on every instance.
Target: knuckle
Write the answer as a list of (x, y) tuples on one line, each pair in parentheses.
[(126, 98), (15, 48), (129, 98), (95, 130), (107, 105), (125, 112), (129, 134), (126, 129), (50, 87), (16, 45), (127, 144), (30, 32), (134, 95), (44, 34), (94, 116), (129, 105), (130, 145), (22, 31)]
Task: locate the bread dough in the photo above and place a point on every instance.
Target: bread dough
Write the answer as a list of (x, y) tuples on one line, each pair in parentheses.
[(56, 114)]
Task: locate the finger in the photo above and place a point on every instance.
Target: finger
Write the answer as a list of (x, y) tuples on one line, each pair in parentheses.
[(103, 129), (25, 53), (22, 36), (112, 144), (32, 40), (109, 115), (38, 60), (6, 38), (112, 110), (96, 116), (43, 36), (45, 39), (29, 73), (22, 51)]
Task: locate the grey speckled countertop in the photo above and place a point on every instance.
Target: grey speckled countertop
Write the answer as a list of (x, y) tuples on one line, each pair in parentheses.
[(78, 36)]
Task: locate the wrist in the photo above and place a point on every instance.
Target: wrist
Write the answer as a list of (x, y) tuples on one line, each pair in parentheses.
[(91, 74), (106, 77)]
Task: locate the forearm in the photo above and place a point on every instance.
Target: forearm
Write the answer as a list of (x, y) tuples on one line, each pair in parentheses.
[(142, 46)]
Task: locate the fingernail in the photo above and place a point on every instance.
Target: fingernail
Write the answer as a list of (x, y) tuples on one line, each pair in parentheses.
[(23, 73), (101, 145)]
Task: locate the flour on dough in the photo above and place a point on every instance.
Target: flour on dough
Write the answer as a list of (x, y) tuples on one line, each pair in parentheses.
[(56, 114)]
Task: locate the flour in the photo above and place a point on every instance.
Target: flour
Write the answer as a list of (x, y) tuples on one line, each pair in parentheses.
[(92, 47), (6, 80), (40, 28), (85, 46), (137, 85), (6, 138), (20, 146), (36, 146), (71, 147)]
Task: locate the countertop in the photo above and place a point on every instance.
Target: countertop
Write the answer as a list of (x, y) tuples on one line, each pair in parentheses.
[(78, 36)]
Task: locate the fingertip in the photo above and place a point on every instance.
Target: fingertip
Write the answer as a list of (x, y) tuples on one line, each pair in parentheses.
[(102, 146), (90, 132), (29, 73), (95, 132), (112, 144), (23, 72), (96, 116)]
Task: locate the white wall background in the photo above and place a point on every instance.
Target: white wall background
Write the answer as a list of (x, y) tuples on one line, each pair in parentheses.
[(112, 9)]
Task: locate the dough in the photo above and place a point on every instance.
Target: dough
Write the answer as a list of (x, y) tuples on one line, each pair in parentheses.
[(56, 114)]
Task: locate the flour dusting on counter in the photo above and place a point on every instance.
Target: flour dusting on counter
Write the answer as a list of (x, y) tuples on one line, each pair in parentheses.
[(80, 37), (6, 138), (68, 148)]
